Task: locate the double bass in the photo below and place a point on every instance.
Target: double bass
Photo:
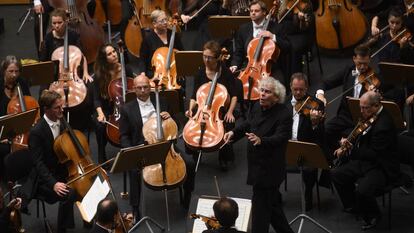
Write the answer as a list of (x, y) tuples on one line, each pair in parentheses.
[(173, 172), (163, 61), (69, 84), (117, 90), (22, 103), (339, 24), (91, 34), (108, 11), (133, 31), (260, 52)]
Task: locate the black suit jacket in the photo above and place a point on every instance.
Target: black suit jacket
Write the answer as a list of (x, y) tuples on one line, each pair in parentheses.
[(266, 162), (245, 35), (130, 123), (306, 133), (97, 229), (378, 146)]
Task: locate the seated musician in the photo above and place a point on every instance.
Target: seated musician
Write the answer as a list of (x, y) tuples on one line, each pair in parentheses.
[(300, 29), (306, 127), (251, 30), (6, 209), (9, 77), (134, 114), (158, 37), (105, 218), (212, 65), (226, 211), (342, 124), (48, 176), (107, 68), (373, 162)]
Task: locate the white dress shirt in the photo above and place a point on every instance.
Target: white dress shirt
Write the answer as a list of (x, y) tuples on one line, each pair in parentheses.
[(54, 126), (295, 125), (257, 28), (146, 108), (358, 86)]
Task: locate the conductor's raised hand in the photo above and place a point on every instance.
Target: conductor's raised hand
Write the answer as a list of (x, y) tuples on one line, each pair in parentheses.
[(228, 137)]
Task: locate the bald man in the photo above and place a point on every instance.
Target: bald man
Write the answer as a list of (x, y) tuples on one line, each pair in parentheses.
[(373, 162), (134, 114)]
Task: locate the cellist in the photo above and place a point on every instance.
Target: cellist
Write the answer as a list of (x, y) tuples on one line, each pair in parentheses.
[(250, 30), (107, 68), (213, 64), (134, 114), (47, 177)]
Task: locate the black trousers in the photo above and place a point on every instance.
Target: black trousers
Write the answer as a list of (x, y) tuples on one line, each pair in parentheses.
[(310, 175), (370, 179), (267, 209), (65, 217), (101, 138)]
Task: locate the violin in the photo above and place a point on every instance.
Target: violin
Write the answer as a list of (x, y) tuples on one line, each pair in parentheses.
[(69, 84), (173, 172), (205, 129), (133, 34), (117, 90), (339, 24), (211, 222), (163, 61), (305, 106), (15, 217), (17, 104), (369, 80), (260, 52), (399, 38), (297, 6)]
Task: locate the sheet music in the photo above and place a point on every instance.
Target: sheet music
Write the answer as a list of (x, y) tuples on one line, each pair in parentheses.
[(89, 204), (205, 207)]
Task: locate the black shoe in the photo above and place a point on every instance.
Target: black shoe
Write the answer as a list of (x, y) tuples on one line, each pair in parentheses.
[(370, 223)]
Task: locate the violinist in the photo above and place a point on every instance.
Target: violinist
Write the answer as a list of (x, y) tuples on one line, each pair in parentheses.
[(107, 68), (226, 211), (212, 64), (9, 77), (267, 129), (134, 114), (106, 214), (6, 209), (300, 29), (307, 112), (156, 38), (349, 78), (47, 178), (373, 162), (250, 30)]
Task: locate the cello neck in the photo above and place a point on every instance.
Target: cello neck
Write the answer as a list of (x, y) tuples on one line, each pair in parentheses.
[(170, 49), (66, 49), (73, 137), (209, 100), (21, 98), (160, 133), (123, 73)]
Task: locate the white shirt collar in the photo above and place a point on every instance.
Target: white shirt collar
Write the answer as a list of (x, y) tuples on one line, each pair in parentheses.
[(144, 103), (260, 24), (50, 122)]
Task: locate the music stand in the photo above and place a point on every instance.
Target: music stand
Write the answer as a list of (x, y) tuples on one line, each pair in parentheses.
[(305, 154), (42, 73), (390, 106), (140, 157), (15, 124), (224, 26), (400, 75), (188, 62)]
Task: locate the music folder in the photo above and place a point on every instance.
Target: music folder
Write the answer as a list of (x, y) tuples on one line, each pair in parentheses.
[(15, 124)]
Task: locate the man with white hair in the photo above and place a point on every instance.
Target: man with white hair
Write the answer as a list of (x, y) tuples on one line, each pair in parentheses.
[(268, 129)]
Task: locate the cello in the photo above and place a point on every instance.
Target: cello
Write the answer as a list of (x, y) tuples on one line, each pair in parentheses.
[(205, 130), (339, 24), (163, 60), (91, 34), (133, 33), (173, 172), (21, 103), (69, 84), (260, 52), (117, 90)]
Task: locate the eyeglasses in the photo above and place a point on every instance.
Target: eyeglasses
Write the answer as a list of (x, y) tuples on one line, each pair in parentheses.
[(162, 21), (208, 58)]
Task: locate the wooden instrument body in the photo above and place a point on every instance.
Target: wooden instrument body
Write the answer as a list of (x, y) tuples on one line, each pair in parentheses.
[(339, 24), (15, 217), (212, 138), (175, 169), (258, 66), (133, 32), (115, 91), (113, 9)]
